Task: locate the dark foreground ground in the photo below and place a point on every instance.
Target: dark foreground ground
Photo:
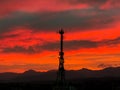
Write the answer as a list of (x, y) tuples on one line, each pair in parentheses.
[(82, 84)]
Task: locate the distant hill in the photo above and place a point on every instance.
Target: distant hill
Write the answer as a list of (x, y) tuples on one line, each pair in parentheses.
[(32, 75)]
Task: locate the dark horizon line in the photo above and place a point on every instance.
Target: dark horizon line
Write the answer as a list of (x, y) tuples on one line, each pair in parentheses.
[(113, 67)]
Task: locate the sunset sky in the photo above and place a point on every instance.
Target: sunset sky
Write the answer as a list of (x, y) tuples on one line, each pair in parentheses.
[(29, 37)]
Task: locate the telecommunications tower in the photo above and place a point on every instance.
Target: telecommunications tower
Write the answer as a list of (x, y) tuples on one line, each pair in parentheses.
[(61, 70), (61, 82)]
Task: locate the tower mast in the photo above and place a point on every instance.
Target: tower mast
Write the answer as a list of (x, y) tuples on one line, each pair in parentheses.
[(61, 70), (61, 83)]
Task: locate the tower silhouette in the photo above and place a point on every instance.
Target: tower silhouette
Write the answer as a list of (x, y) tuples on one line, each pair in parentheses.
[(61, 70), (61, 83)]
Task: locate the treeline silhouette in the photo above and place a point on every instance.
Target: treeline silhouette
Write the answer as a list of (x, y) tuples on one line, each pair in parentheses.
[(80, 84)]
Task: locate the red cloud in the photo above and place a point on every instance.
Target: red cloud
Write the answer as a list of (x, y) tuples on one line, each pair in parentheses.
[(12, 6), (29, 42), (111, 4)]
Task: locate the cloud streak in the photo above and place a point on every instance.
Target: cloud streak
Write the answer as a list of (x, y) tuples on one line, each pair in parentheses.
[(68, 45), (83, 19), (88, 2), (95, 3)]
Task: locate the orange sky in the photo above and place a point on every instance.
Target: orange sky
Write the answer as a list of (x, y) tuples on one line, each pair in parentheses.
[(29, 36)]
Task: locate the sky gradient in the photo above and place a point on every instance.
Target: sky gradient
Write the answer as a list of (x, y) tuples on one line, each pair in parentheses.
[(29, 36)]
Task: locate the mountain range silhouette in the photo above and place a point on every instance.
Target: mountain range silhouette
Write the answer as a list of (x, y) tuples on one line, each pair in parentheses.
[(32, 75)]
